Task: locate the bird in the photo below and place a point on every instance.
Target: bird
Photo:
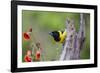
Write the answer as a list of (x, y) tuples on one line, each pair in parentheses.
[(59, 36)]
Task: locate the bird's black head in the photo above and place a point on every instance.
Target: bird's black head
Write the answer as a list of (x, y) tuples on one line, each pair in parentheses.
[(55, 35)]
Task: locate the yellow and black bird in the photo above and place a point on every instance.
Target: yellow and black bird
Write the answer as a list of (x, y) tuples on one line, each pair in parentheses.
[(59, 36)]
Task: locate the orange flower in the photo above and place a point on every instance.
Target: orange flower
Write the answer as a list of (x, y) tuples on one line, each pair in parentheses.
[(37, 56), (27, 57), (26, 36)]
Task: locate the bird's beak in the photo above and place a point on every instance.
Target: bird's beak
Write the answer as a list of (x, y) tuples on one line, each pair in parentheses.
[(50, 33)]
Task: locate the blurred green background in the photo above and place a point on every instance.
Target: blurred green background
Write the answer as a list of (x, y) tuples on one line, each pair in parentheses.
[(43, 22)]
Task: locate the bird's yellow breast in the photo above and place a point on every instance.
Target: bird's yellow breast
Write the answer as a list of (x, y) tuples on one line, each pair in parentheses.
[(62, 36)]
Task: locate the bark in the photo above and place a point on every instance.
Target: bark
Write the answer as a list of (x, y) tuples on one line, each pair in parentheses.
[(74, 40)]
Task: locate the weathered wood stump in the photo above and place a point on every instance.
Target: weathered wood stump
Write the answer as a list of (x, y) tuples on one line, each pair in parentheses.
[(74, 40)]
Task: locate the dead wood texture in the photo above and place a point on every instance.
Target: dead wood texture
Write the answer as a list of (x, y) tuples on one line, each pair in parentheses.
[(74, 40)]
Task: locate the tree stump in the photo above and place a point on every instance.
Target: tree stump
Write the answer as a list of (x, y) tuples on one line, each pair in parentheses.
[(74, 40)]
